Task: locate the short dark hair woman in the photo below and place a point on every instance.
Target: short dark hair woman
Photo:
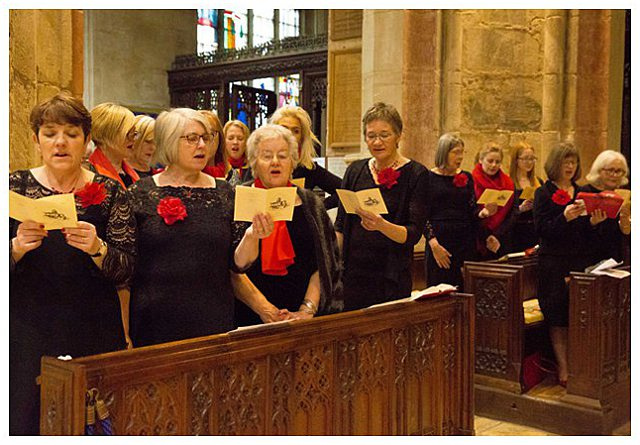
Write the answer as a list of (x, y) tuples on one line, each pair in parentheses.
[(63, 298)]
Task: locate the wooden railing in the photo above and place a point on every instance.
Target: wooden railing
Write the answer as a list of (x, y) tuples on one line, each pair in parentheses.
[(398, 369)]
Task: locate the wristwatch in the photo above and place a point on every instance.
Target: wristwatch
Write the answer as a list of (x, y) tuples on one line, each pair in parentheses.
[(101, 250)]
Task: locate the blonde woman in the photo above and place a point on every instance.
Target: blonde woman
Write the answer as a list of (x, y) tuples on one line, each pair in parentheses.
[(299, 123), (216, 165), (113, 133), (523, 174), (236, 135), (143, 147)]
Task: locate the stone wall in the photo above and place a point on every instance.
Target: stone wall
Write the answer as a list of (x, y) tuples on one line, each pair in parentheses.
[(45, 56), (129, 52)]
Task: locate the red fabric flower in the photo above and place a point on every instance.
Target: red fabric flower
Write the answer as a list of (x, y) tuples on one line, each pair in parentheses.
[(460, 180), (171, 210), (561, 197), (92, 193), (388, 177)]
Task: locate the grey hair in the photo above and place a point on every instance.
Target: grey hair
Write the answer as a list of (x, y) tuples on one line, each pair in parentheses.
[(168, 130), (268, 132), (446, 143), (601, 161)]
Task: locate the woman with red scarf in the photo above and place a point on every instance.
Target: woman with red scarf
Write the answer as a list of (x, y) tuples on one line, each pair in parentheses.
[(494, 234), (236, 134), (293, 263)]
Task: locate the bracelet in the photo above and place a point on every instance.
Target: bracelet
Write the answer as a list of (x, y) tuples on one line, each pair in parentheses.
[(306, 310), (311, 305)]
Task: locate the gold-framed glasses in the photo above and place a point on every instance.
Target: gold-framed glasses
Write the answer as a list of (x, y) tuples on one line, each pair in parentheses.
[(384, 137)]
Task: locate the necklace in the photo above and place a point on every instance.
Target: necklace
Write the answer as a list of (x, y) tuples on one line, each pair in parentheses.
[(56, 190), (376, 170)]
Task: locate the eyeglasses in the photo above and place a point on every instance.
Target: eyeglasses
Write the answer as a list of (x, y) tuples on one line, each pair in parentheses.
[(268, 156), (384, 137), (569, 162), (614, 171), (528, 158), (132, 135), (193, 138)]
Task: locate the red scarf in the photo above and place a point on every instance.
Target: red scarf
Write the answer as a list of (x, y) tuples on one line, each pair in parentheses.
[(217, 171), (499, 181), (104, 166), (237, 163), (277, 249)]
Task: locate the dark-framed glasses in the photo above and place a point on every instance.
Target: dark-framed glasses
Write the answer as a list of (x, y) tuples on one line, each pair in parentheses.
[(615, 171), (193, 138)]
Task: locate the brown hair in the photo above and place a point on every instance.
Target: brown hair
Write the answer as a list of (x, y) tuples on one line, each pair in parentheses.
[(383, 112), (63, 108), (516, 151), (490, 147), (553, 165)]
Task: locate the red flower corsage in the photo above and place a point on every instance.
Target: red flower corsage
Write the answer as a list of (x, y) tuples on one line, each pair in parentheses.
[(171, 210), (92, 193), (561, 197), (460, 180), (388, 177)]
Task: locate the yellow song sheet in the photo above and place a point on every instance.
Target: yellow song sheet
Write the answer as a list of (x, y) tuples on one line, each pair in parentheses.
[(368, 199), (528, 193), (624, 193), (299, 182), (277, 201), (499, 197), (55, 212)]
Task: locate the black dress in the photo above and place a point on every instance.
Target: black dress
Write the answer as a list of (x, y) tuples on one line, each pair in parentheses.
[(609, 240), (524, 233), (377, 269), (144, 174), (181, 288), (60, 302), (563, 248), (321, 177), (452, 218), (287, 291)]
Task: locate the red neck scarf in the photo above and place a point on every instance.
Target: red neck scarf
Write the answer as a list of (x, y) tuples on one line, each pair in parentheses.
[(104, 166), (277, 249), (237, 163), (499, 181)]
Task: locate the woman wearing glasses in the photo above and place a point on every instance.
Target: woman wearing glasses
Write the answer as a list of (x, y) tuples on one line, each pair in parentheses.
[(609, 172), (452, 215), (494, 238), (182, 286), (378, 249), (144, 146), (564, 239), (523, 174), (113, 133)]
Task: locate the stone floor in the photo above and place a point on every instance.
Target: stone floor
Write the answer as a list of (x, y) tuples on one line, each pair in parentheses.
[(491, 427)]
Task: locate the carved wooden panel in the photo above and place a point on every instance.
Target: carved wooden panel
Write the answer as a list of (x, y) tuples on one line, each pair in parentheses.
[(395, 370)]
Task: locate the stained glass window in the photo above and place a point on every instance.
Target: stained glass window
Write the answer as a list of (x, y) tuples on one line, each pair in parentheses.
[(206, 30), (263, 29), (235, 28), (289, 90)]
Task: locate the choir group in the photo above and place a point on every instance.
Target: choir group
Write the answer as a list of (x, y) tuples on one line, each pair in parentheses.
[(157, 255)]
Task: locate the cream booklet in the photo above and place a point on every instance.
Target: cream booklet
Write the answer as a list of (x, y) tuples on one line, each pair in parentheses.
[(55, 212), (528, 193), (368, 199), (278, 201), (500, 197)]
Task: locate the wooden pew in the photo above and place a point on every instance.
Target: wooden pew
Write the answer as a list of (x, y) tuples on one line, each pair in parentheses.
[(397, 369), (597, 398)]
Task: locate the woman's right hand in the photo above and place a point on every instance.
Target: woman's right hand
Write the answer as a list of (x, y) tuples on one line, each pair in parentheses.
[(572, 211), (28, 237), (440, 254), (261, 226)]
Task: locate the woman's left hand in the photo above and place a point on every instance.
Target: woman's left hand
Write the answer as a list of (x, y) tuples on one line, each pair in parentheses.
[(493, 244), (370, 221), (300, 315), (597, 217), (83, 237)]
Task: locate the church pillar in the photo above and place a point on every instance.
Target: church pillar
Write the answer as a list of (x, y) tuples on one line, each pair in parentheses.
[(44, 57)]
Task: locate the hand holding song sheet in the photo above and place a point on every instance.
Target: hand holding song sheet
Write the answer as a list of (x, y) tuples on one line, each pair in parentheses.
[(277, 201), (500, 197), (368, 199), (55, 212)]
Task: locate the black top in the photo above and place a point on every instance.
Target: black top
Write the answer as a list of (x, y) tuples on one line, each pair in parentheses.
[(609, 241), (557, 236), (181, 288), (321, 177), (287, 291), (370, 253), (143, 174), (60, 302), (524, 231), (450, 204), (240, 175)]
